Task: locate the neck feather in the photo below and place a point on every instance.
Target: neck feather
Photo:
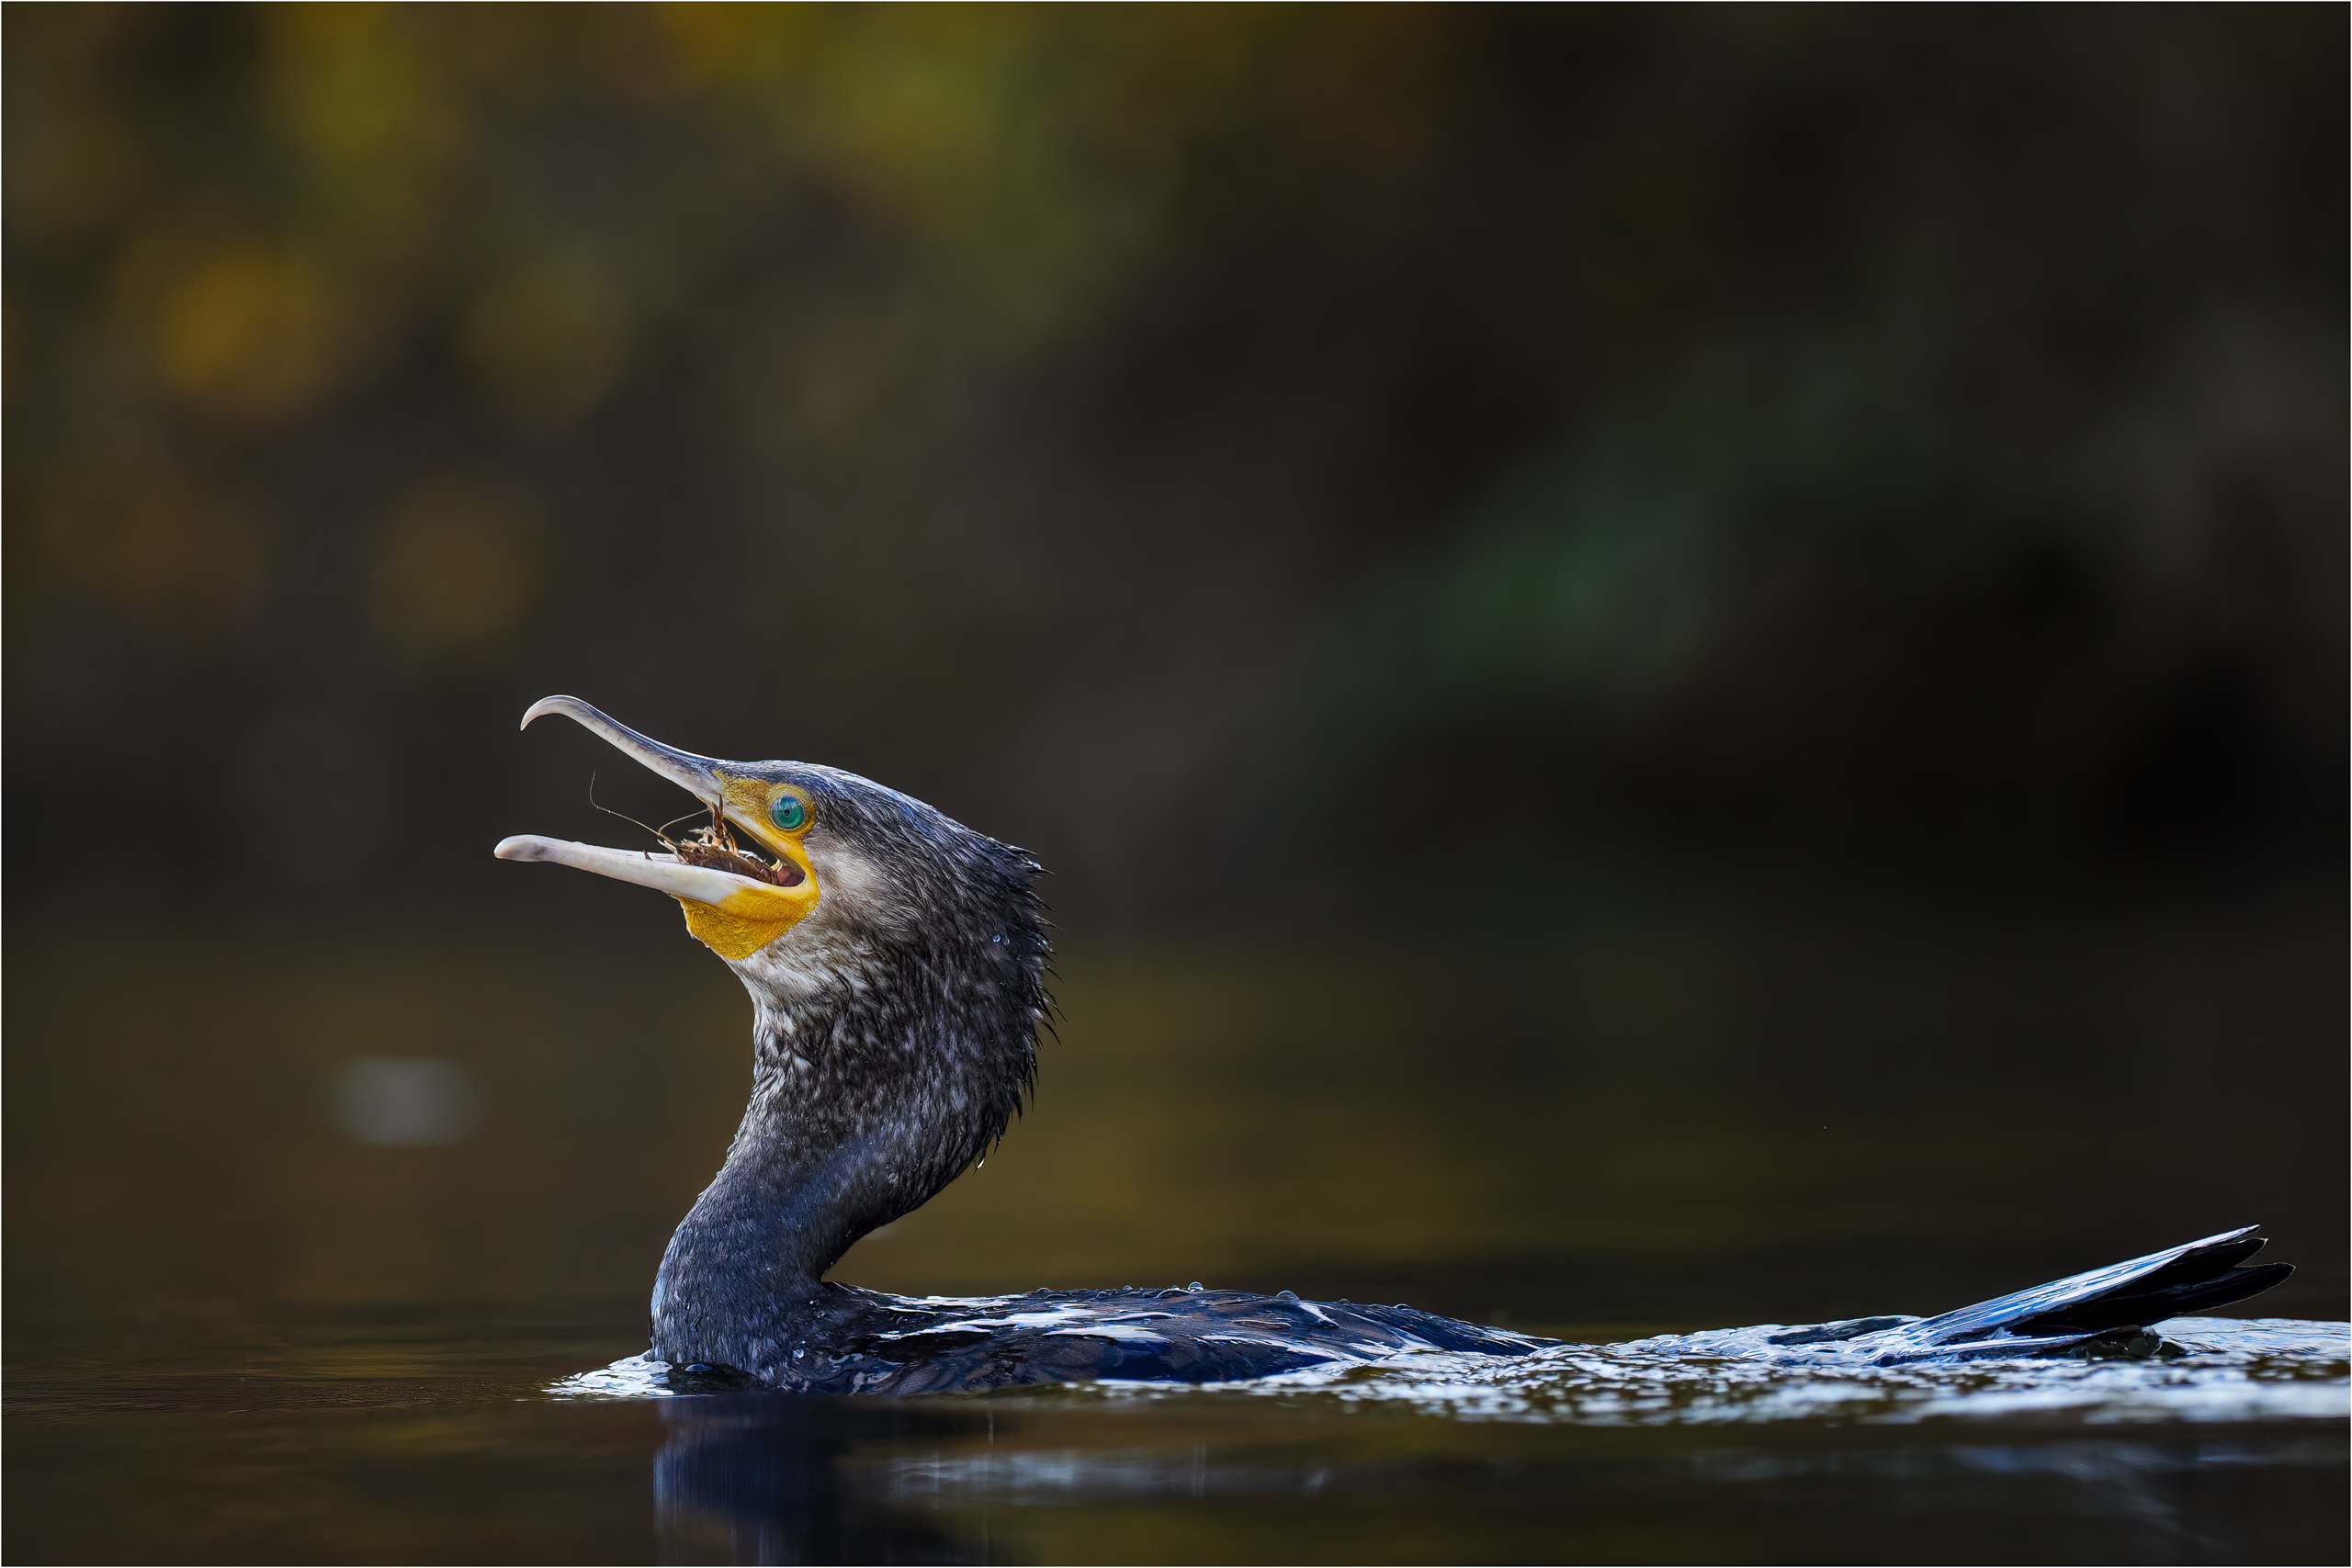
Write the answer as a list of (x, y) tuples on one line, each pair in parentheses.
[(869, 1096)]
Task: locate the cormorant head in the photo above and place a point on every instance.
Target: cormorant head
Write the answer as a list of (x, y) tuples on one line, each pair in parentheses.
[(896, 962), (803, 867)]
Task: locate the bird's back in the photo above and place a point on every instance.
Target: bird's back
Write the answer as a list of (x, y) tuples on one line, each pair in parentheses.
[(877, 1344)]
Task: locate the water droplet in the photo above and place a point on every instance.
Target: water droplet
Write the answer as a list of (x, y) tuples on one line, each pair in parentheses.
[(1194, 1286), (1287, 1296)]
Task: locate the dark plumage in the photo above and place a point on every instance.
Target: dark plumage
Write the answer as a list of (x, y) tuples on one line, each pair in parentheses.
[(857, 1341), (893, 1038), (898, 995)]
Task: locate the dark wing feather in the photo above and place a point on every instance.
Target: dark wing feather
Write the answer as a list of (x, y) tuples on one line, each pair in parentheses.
[(2064, 1313)]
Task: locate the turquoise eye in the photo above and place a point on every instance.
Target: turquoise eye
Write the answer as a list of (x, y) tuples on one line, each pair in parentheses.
[(789, 813)]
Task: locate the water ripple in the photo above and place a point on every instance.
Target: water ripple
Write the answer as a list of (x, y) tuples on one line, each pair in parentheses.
[(2226, 1369), (2213, 1370)]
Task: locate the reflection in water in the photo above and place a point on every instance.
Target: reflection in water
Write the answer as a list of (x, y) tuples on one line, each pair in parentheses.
[(399, 1437), (778, 1479), (756, 1478), (2179, 1458), (2169, 1500)]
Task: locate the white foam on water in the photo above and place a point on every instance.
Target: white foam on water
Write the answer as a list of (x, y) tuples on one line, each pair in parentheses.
[(631, 1377), (2236, 1369)]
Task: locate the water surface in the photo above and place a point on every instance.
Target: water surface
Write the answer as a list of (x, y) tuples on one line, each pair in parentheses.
[(360, 1437), (303, 1229)]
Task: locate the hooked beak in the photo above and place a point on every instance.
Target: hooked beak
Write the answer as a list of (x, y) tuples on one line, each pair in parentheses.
[(698, 776), (734, 915)]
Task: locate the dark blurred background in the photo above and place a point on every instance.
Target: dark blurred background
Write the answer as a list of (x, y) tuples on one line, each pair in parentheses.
[(1664, 655)]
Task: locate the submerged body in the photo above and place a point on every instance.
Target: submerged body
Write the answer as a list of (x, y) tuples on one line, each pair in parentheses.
[(857, 1341), (896, 962)]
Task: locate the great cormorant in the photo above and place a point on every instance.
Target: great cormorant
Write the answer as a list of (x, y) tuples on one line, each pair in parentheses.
[(896, 961)]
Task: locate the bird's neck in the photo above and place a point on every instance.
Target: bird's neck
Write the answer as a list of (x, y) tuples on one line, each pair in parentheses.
[(789, 1202), (840, 1137)]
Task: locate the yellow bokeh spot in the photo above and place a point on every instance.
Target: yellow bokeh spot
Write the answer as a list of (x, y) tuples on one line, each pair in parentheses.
[(545, 338), (368, 106), (458, 565), (184, 563), (246, 332)]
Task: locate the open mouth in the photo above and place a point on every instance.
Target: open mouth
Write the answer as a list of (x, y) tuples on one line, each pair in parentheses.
[(714, 848), (736, 900)]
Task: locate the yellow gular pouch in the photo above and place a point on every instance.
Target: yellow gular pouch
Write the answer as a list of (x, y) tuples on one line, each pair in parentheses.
[(749, 919)]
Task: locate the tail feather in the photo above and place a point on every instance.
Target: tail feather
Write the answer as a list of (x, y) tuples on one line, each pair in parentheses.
[(2138, 1310), (2131, 1294)]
